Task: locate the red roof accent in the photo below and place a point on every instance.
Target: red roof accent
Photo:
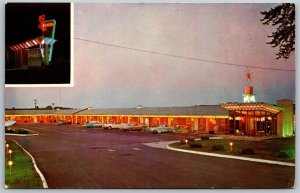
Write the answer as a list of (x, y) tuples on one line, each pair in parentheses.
[(31, 42)]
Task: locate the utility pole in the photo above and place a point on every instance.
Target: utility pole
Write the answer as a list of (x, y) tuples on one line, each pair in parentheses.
[(35, 103)]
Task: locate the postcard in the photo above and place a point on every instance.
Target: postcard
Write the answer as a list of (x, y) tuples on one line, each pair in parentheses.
[(165, 96)]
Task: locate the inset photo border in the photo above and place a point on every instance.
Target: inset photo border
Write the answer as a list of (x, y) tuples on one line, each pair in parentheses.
[(39, 45)]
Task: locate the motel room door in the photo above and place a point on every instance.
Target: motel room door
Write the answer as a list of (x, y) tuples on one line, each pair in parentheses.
[(195, 124)]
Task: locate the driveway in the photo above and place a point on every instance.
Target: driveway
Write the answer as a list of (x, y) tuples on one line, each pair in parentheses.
[(72, 156)]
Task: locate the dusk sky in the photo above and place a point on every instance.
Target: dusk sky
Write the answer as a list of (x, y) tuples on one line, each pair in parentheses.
[(110, 76)]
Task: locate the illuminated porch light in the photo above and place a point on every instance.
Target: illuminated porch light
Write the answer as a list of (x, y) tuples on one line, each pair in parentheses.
[(238, 118)]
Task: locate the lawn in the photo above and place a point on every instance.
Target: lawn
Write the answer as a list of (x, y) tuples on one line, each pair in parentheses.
[(278, 149), (22, 173), (16, 130)]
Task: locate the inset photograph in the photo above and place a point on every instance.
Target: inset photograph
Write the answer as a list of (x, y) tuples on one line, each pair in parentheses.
[(37, 44)]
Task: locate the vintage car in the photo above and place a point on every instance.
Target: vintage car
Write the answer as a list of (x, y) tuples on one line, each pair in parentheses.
[(113, 125), (162, 129), (64, 122), (131, 127), (94, 124)]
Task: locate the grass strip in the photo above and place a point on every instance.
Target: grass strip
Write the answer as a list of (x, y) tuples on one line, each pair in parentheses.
[(22, 174), (281, 149)]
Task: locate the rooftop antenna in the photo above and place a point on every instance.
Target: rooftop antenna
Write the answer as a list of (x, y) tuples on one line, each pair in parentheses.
[(249, 75), (249, 96)]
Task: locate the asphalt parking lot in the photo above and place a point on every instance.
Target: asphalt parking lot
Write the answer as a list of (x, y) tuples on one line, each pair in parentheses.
[(72, 156)]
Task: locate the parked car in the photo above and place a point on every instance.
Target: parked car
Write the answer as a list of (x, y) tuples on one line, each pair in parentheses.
[(113, 125), (64, 122), (162, 129), (131, 127), (94, 124)]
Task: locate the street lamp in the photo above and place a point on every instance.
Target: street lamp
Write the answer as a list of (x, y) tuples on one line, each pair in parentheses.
[(186, 141), (7, 147), (10, 163), (231, 144), (10, 152)]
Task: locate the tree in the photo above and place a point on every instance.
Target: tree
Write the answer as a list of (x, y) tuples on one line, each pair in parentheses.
[(282, 16)]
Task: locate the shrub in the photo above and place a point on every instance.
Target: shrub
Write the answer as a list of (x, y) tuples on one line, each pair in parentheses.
[(247, 151), (9, 130), (21, 131), (182, 142), (283, 154), (205, 138), (190, 139), (218, 147), (195, 144)]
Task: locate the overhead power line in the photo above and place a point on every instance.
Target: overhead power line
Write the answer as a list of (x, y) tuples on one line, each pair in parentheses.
[(183, 57)]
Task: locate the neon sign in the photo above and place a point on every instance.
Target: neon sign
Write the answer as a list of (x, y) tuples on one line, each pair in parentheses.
[(48, 30)]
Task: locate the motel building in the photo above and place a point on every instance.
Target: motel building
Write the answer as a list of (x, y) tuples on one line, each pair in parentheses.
[(247, 118)]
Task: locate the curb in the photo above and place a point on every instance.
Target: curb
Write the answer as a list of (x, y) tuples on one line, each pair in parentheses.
[(21, 135), (233, 157), (45, 185)]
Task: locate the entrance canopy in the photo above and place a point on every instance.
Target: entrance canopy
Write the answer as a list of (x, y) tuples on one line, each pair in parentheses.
[(31, 42), (274, 109)]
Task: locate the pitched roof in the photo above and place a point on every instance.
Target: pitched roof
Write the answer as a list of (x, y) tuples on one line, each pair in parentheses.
[(197, 110), (65, 111), (28, 112)]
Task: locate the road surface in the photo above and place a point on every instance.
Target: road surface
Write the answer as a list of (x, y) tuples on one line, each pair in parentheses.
[(72, 156)]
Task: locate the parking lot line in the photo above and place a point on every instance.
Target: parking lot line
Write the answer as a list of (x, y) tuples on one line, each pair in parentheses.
[(111, 150), (135, 148)]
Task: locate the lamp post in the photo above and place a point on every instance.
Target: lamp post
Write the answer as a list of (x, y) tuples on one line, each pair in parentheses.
[(10, 152), (186, 142), (10, 163), (231, 144), (7, 147)]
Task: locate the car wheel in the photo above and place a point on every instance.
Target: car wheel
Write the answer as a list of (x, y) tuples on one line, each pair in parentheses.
[(109, 127), (159, 131)]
